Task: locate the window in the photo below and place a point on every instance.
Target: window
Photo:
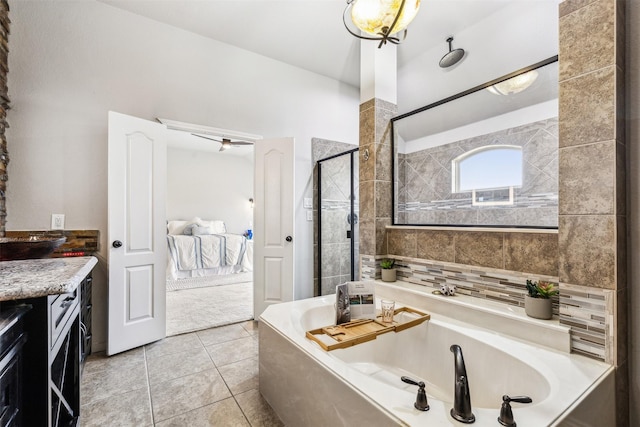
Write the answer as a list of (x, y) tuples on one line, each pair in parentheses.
[(488, 168)]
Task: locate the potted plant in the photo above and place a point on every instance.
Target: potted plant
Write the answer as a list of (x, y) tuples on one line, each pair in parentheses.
[(538, 302), (388, 272)]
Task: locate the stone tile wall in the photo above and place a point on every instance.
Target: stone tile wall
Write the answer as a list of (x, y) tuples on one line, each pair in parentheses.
[(529, 252), (375, 174), (425, 181), (592, 209), (4, 107)]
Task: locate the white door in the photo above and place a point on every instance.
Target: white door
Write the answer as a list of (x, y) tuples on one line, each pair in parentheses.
[(137, 232), (273, 223)]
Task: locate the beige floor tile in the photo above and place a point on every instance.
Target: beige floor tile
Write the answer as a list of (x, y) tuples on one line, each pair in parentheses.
[(224, 413), (241, 376), (123, 410), (175, 397), (100, 361), (170, 345), (222, 334), (251, 326), (257, 410), (175, 365), (233, 351), (110, 382)]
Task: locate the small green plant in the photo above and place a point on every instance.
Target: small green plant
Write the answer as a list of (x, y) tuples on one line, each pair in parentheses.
[(387, 263), (541, 289)]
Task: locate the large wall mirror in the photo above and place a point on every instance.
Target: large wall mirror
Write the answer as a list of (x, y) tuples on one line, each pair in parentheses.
[(485, 157)]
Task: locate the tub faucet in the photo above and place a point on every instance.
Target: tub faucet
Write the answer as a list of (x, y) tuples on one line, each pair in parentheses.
[(461, 410)]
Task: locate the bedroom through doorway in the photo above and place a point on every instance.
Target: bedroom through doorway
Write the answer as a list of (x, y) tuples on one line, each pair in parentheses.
[(209, 231)]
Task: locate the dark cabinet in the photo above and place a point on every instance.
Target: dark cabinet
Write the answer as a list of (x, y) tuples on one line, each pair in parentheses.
[(86, 307), (12, 340), (58, 341)]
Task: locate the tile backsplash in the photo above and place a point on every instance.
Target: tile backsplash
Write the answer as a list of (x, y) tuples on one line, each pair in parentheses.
[(583, 310)]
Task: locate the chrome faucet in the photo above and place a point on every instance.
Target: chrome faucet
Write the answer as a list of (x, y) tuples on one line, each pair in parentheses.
[(461, 410)]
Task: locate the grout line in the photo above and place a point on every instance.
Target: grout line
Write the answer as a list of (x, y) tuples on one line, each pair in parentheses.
[(233, 396), (146, 368)]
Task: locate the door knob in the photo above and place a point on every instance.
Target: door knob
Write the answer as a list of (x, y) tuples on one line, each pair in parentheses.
[(116, 244), (288, 238)]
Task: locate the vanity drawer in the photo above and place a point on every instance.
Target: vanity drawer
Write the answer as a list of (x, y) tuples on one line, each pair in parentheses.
[(61, 308)]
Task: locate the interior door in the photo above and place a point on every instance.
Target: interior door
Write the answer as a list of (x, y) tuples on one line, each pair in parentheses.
[(137, 232), (273, 222)]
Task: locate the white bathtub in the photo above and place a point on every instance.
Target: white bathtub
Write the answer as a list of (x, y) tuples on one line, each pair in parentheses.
[(361, 385)]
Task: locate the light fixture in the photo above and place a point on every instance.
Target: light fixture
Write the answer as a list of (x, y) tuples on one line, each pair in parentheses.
[(226, 144), (515, 84), (381, 18)]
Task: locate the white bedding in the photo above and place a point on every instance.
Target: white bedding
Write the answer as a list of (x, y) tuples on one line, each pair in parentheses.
[(210, 254)]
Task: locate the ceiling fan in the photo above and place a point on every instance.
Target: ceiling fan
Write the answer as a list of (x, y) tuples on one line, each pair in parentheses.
[(226, 142)]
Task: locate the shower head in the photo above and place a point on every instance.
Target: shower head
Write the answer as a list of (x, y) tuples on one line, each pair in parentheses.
[(452, 57)]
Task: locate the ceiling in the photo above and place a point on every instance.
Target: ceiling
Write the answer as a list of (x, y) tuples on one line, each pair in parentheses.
[(310, 34)]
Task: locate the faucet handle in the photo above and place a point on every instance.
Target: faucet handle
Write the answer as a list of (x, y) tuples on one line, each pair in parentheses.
[(506, 415), (518, 399), (413, 382), (421, 400)]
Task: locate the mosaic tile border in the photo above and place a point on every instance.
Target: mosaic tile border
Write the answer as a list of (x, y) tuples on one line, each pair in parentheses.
[(585, 310)]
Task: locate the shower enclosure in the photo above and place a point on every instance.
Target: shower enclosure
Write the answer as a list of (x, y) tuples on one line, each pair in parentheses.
[(337, 224)]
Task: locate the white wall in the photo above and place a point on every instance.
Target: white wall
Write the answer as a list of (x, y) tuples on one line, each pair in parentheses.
[(523, 116), (72, 61), (512, 38), (210, 185)]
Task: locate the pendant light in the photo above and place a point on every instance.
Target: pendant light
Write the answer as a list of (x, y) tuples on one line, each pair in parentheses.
[(381, 19)]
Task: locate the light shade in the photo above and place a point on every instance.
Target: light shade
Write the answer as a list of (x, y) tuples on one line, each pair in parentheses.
[(376, 17), (515, 84)]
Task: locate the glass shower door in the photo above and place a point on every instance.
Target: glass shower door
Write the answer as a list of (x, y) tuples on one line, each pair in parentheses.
[(338, 255)]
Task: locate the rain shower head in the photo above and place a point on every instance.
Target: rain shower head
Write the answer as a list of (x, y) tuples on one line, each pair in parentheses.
[(452, 57)]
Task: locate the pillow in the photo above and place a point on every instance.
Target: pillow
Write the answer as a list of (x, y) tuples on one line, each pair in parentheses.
[(188, 230), (216, 226), (176, 227), (201, 231)]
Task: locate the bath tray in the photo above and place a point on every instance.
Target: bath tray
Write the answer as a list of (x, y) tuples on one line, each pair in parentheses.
[(363, 330)]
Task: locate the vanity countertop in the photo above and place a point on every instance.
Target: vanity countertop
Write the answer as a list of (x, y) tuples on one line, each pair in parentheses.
[(33, 278)]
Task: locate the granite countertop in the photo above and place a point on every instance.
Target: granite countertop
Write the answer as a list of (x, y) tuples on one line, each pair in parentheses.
[(33, 278)]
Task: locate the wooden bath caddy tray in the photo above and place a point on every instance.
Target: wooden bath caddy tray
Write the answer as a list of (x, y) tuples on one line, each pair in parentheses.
[(363, 330)]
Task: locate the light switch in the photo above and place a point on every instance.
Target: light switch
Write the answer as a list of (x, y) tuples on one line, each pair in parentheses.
[(309, 215)]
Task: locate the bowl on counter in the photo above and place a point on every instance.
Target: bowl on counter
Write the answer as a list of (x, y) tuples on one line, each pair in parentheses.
[(32, 247)]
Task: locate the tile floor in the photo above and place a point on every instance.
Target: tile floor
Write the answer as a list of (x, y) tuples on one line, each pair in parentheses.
[(204, 378)]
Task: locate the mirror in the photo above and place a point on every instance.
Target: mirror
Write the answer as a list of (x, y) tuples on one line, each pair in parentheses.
[(485, 157)]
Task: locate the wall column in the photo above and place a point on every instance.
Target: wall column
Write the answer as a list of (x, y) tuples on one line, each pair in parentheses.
[(4, 106), (592, 199), (378, 97)]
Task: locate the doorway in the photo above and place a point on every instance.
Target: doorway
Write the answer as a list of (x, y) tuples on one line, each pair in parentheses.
[(209, 191), (337, 226)]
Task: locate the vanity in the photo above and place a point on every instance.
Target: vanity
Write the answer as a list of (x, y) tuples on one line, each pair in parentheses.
[(49, 301)]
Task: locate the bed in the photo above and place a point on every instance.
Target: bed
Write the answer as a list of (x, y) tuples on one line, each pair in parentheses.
[(199, 248)]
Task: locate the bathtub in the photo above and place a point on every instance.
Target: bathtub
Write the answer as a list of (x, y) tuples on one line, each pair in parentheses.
[(361, 385)]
